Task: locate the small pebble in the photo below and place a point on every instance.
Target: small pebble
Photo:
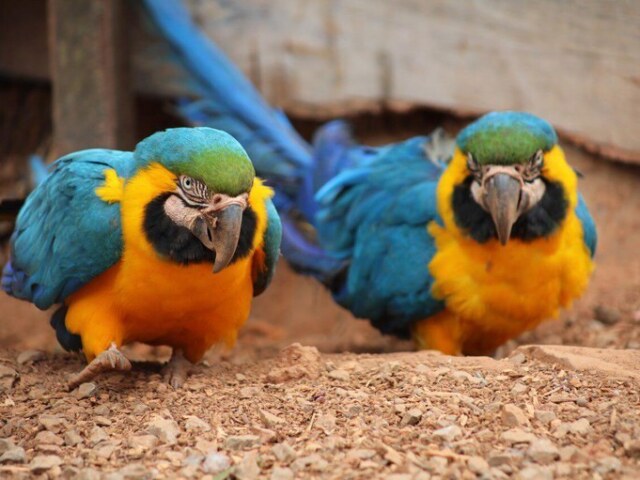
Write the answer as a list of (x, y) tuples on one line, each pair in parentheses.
[(48, 437), (516, 435), (42, 463), (477, 464), (30, 356), (341, 375), (412, 417), (239, 442), (279, 473), (13, 455), (543, 451), (448, 434), (283, 452), (216, 463), (86, 390), (195, 424), (513, 416), (269, 419), (166, 430)]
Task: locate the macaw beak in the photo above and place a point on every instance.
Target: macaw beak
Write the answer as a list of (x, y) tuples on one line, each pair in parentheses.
[(219, 230), (502, 200)]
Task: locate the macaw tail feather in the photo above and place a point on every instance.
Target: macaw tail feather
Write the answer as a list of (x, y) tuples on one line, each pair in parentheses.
[(228, 101)]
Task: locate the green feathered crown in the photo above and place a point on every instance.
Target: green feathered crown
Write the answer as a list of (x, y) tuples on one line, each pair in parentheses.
[(211, 156), (506, 138)]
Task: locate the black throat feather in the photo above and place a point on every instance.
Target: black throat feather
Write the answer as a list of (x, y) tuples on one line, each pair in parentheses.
[(541, 221), (180, 245)]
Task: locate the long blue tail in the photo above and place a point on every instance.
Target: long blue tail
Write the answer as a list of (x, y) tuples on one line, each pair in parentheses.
[(228, 101)]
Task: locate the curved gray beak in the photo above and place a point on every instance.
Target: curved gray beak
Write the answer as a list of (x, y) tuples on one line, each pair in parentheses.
[(502, 200), (219, 231)]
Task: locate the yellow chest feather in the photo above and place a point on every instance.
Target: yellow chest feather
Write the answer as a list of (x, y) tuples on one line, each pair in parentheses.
[(150, 299), (508, 289)]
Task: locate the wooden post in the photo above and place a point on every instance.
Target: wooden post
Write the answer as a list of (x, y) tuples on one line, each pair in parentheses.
[(92, 102)]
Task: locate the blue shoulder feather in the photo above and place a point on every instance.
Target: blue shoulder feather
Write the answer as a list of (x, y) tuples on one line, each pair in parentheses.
[(588, 225), (272, 238), (376, 215), (65, 235)]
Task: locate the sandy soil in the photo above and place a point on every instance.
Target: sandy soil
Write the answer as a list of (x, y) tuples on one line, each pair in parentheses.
[(365, 406)]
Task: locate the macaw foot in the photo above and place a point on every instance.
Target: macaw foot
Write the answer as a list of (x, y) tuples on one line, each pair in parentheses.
[(111, 359), (177, 369)]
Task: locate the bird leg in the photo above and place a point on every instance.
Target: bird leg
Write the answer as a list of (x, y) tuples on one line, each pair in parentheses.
[(110, 359), (177, 369)]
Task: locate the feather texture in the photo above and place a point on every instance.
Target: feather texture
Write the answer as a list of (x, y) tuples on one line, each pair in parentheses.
[(65, 234)]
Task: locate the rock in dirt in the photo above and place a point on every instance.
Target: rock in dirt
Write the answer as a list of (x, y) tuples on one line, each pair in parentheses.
[(534, 473), (215, 463), (606, 315), (52, 423), (412, 417), (632, 448), (5, 444), (516, 435), (608, 465), (543, 451), (86, 390), (326, 423), (279, 473), (97, 435), (195, 424), (448, 434), (339, 374), (611, 362), (8, 377), (13, 455), (295, 362), (477, 465), (165, 430), (29, 357), (72, 438), (144, 442), (269, 419), (283, 452), (580, 427), (248, 468), (136, 471), (312, 462), (239, 442), (513, 416), (50, 438), (42, 463), (545, 416)]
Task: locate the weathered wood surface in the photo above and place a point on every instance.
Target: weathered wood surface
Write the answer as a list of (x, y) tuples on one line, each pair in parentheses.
[(575, 62), (92, 106)]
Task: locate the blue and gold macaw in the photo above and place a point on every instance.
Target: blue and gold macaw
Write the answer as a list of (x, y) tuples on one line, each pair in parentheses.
[(461, 255), (125, 244)]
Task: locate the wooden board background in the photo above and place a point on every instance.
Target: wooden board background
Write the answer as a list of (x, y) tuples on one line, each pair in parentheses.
[(574, 62)]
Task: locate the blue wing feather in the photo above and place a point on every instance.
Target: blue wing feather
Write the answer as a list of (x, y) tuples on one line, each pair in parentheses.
[(588, 225), (271, 246), (376, 215), (65, 235)]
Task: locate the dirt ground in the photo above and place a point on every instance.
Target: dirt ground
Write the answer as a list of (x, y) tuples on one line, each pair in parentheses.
[(365, 406)]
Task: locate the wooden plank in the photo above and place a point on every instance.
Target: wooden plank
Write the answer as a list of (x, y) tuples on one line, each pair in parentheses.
[(576, 62), (23, 39), (92, 104)]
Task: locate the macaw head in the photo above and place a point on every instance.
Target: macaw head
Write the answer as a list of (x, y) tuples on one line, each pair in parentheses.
[(202, 179), (515, 181)]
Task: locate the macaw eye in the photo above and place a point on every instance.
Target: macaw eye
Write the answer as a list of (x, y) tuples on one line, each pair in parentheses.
[(534, 166), (186, 182), (474, 167)]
